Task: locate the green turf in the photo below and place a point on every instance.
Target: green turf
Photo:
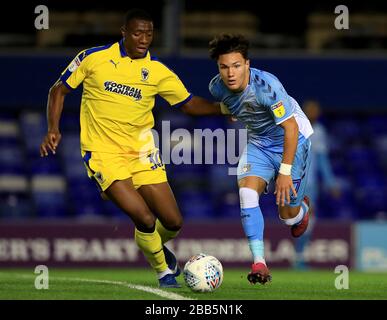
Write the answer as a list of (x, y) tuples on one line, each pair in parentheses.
[(286, 284)]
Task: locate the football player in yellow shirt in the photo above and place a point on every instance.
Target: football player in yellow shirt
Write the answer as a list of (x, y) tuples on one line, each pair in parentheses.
[(120, 82)]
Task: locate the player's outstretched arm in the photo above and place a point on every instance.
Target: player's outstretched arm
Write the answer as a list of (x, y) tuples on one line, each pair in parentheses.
[(55, 102), (199, 106)]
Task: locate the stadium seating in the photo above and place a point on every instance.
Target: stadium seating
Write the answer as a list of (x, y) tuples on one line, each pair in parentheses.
[(84, 198), (14, 196), (14, 185), (58, 187), (12, 159), (196, 205), (49, 195), (33, 127)]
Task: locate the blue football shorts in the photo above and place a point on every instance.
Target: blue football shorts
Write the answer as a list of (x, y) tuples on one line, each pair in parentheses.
[(263, 163)]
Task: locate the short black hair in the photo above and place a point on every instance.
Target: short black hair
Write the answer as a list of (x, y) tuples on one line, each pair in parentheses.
[(138, 14), (227, 43)]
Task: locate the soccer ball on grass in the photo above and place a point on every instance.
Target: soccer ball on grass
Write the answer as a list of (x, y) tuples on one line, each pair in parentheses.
[(203, 273)]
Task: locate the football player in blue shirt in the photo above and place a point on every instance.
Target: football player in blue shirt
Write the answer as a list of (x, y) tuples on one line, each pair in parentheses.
[(278, 145)]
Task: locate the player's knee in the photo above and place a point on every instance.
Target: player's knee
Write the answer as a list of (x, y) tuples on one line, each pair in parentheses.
[(174, 224), (146, 224), (248, 197), (288, 212), (143, 219)]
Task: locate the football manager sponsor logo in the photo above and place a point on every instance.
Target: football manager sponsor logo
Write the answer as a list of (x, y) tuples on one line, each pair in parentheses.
[(123, 89)]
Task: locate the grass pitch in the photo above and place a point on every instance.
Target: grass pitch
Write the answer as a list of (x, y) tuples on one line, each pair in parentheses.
[(141, 284)]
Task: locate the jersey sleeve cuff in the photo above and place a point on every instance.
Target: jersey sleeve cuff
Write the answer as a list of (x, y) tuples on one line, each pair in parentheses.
[(65, 83), (279, 122), (179, 104)]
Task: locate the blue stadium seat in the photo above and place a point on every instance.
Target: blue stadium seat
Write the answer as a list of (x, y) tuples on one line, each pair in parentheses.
[(364, 179), (220, 181), (7, 142), (268, 206), (348, 130), (69, 148), (9, 133), (50, 204), (49, 195), (83, 207), (33, 123), (361, 158), (11, 155), (337, 145), (109, 209), (227, 205), (380, 148), (48, 165), (84, 198), (370, 193), (14, 189), (32, 145), (75, 171), (15, 205), (12, 160), (33, 127), (71, 157), (380, 143), (376, 125), (195, 205), (344, 208), (14, 196), (371, 201), (9, 128), (339, 166), (186, 175)]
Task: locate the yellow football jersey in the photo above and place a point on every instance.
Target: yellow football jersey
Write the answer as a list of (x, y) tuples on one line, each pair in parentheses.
[(118, 97)]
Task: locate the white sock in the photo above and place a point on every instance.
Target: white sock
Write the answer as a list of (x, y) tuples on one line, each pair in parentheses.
[(164, 273), (292, 221)]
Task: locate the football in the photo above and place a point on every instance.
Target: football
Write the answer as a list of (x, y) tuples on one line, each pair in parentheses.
[(203, 273)]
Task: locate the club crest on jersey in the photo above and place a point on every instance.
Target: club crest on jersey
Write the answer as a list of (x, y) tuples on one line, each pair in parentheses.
[(144, 74), (246, 168), (123, 89), (278, 109)]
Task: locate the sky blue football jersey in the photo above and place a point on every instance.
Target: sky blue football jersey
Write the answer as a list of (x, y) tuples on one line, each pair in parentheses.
[(261, 107)]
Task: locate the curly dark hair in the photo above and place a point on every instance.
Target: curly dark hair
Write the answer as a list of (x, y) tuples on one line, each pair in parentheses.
[(227, 43)]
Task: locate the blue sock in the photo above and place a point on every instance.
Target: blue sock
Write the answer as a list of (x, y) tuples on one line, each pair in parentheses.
[(253, 225)]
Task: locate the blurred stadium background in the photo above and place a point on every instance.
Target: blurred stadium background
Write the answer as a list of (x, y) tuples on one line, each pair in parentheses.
[(42, 200)]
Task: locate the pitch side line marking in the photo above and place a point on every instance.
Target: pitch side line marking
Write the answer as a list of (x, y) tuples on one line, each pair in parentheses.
[(158, 292)]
